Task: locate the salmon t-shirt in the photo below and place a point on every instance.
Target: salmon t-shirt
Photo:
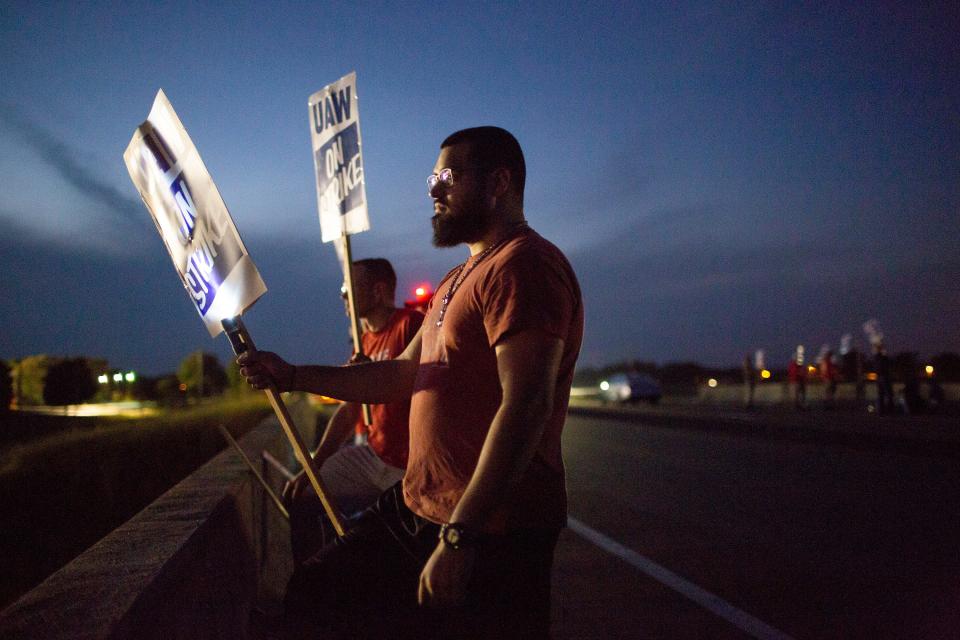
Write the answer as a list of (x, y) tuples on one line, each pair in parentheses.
[(524, 284), (388, 436)]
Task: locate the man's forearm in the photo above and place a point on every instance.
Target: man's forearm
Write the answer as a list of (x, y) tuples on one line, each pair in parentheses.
[(339, 426), (370, 382)]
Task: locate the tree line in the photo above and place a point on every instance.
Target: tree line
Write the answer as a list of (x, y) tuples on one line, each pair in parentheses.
[(56, 380)]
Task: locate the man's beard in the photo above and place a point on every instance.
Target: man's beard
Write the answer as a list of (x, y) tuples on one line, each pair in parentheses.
[(468, 225)]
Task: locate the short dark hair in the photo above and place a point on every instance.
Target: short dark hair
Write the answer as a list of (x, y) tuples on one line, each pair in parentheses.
[(493, 147), (379, 270)]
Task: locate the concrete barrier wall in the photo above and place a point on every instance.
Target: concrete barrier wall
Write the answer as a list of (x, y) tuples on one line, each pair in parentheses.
[(190, 565)]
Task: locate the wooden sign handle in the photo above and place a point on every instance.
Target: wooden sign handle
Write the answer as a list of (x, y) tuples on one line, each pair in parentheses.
[(241, 342)]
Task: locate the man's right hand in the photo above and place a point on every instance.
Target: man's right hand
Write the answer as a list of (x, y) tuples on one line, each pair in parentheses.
[(263, 369), (295, 488)]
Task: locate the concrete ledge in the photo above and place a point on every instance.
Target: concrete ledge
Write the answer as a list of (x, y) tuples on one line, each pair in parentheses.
[(190, 565)]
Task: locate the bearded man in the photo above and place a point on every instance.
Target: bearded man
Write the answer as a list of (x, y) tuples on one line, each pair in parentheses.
[(469, 534)]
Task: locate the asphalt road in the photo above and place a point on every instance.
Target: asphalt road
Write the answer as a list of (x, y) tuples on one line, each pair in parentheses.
[(711, 523)]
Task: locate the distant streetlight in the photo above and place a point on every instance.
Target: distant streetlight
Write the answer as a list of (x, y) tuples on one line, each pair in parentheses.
[(103, 378), (765, 374), (118, 377), (604, 386), (130, 376), (929, 370), (712, 382)]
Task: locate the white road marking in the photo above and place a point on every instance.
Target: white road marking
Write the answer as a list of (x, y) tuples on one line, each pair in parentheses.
[(740, 619)]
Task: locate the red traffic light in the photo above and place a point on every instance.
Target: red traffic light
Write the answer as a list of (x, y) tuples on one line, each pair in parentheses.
[(422, 293)]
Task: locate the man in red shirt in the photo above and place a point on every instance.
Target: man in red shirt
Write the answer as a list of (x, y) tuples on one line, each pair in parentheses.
[(797, 377), (489, 374), (830, 376), (356, 475)]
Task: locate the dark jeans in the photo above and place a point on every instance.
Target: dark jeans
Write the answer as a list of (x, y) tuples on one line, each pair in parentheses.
[(365, 584), (310, 528)]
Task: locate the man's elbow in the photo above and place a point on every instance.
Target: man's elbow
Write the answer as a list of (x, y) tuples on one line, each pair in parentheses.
[(543, 407), (533, 408), (529, 417)]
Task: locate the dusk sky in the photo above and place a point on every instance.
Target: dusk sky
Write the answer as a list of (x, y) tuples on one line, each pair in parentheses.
[(723, 177)]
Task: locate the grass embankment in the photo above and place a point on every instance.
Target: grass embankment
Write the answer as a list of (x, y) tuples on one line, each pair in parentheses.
[(80, 478)]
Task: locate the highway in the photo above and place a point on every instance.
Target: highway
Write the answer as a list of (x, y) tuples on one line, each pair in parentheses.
[(717, 523)]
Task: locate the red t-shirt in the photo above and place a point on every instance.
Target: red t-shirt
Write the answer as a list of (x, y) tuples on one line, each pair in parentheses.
[(796, 372), (524, 284), (389, 434), (828, 371)]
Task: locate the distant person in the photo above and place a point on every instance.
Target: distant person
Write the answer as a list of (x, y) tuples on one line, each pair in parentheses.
[(830, 377), (852, 369), (911, 403), (861, 384), (797, 377), (935, 395), (881, 365), (749, 381), (356, 475)]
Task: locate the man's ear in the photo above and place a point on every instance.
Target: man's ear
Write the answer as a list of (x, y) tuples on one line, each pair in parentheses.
[(500, 181), (382, 293)]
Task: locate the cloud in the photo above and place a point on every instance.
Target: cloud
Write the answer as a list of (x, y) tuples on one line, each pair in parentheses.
[(575, 206), (59, 155), (665, 299), (133, 310)]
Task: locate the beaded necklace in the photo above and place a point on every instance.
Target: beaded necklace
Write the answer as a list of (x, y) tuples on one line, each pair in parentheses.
[(460, 276)]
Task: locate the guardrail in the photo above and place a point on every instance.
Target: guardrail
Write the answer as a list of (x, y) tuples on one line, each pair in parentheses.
[(190, 565)]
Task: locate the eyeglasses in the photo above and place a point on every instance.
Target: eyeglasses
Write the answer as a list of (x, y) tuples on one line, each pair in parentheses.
[(445, 177)]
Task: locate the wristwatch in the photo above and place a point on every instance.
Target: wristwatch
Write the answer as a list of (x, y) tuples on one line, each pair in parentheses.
[(457, 536)]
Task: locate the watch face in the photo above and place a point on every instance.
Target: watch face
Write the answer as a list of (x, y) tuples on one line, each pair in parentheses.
[(453, 536)]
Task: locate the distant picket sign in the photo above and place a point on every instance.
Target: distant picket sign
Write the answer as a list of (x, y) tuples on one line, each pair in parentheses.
[(192, 219), (338, 159)]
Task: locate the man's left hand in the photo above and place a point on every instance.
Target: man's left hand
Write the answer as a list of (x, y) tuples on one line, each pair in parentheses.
[(444, 579)]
